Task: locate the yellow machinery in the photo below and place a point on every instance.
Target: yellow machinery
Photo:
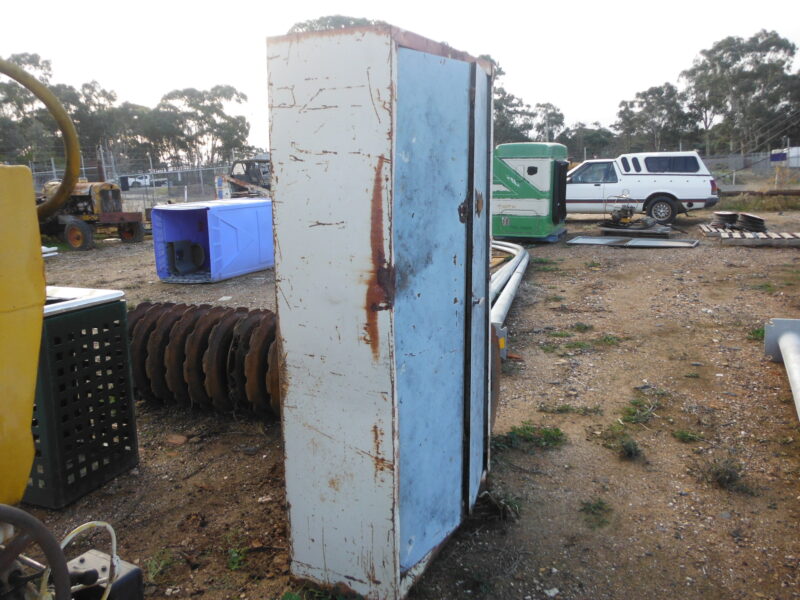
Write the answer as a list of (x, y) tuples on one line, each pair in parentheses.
[(22, 294), (21, 303), (22, 298), (90, 204)]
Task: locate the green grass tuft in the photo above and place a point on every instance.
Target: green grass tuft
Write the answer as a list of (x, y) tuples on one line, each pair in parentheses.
[(757, 334), (609, 340), (157, 565), (686, 436), (629, 449), (577, 345), (530, 436), (561, 409), (725, 473), (236, 558), (596, 512), (560, 334), (766, 287), (640, 410)]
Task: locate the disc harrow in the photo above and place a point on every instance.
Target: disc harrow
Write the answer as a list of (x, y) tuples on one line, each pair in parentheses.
[(215, 359), (256, 363), (240, 348), (203, 356), (175, 355), (195, 347), (156, 345), (140, 335)]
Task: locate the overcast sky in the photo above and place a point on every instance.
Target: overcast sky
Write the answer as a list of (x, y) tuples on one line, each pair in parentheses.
[(584, 57)]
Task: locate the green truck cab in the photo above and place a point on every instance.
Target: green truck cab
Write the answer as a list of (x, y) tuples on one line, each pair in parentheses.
[(529, 191)]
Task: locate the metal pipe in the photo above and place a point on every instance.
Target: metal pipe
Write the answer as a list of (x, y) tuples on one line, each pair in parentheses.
[(503, 303), (71, 147), (790, 350), (782, 343), (500, 278)]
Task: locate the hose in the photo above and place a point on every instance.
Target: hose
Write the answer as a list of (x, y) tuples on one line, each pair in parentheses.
[(113, 559), (70, 135)]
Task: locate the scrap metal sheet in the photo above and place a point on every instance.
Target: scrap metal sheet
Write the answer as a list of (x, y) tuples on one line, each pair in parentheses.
[(632, 243)]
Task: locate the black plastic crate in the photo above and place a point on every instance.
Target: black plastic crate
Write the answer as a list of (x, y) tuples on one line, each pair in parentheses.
[(84, 426)]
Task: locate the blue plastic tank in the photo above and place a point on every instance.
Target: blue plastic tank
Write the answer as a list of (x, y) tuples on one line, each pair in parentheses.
[(201, 242)]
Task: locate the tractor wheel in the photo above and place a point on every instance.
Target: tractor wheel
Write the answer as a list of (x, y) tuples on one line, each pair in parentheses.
[(131, 233), (78, 235)]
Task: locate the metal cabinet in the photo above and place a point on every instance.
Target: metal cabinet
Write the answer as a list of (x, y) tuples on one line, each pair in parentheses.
[(381, 148)]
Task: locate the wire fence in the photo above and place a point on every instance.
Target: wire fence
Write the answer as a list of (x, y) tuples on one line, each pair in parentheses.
[(756, 169), (150, 185), (146, 187)]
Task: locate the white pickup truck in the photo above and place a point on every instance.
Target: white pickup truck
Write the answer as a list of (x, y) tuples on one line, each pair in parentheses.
[(146, 180), (660, 184)]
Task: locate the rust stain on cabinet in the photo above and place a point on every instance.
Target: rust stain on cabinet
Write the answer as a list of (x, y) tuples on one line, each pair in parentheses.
[(380, 286)]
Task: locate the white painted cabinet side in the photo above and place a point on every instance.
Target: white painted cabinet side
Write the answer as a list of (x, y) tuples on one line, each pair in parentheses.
[(331, 99)]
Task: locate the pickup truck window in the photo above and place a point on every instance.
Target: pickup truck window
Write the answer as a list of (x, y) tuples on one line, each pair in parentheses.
[(672, 164), (636, 166), (596, 173), (626, 165)]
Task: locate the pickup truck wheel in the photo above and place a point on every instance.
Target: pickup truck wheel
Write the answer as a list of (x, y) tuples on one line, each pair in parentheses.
[(663, 210)]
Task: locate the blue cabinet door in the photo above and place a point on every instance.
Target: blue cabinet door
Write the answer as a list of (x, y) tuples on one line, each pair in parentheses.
[(440, 228), (431, 169)]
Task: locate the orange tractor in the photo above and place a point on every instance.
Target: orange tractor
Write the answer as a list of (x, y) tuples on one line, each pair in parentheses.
[(90, 204)]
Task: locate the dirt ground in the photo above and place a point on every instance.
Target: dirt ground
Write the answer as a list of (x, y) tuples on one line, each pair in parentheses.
[(614, 347)]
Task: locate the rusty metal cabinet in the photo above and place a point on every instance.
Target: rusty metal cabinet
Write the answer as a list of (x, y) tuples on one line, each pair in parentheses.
[(381, 148)]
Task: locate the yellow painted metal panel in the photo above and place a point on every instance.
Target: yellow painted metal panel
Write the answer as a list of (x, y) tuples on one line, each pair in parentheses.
[(22, 294)]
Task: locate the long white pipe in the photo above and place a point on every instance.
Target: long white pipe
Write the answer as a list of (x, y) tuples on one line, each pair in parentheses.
[(503, 303), (504, 273), (789, 343)]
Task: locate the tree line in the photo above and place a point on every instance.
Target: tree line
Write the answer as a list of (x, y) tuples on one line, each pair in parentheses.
[(188, 126), (739, 96)]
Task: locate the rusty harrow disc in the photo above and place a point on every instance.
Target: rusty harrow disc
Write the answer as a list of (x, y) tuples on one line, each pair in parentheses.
[(273, 376), (215, 359), (175, 352), (240, 346), (255, 362), (140, 335), (205, 356), (135, 314), (156, 346), (195, 348)]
